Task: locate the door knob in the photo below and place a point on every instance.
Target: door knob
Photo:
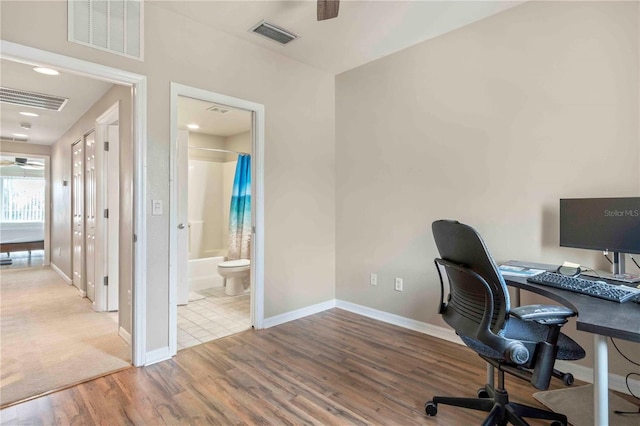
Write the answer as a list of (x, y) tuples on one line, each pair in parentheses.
[(181, 226)]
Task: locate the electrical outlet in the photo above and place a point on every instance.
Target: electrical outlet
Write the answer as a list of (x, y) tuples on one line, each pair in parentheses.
[(374, 279), (398, 284)]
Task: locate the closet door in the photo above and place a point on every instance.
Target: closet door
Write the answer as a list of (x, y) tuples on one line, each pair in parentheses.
[(90, 213), (77, 202)]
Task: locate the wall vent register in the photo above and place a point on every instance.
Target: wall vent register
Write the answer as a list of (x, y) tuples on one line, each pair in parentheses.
[(111, 25)]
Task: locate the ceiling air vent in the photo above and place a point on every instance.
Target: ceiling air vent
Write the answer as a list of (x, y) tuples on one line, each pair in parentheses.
[(31, 99), (219, 109), (12, 139), (273, 32)]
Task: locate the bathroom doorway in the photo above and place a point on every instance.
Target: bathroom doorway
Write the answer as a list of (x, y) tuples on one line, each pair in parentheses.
[(213, 217)]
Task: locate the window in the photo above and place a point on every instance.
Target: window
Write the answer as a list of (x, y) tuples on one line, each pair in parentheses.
[(22, 199)]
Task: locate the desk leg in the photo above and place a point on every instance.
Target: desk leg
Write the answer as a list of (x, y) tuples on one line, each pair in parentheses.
[(600, 381)]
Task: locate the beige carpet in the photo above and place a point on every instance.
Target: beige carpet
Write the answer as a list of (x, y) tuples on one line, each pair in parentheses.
[(577, 404), (50, 337)]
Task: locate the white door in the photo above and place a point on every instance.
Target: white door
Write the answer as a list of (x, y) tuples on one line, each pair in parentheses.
[(111, 166), (90, 214), (182, 264), (77, 195)]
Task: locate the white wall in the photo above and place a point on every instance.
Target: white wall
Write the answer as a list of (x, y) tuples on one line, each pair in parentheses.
[(490, 124), (299, 151), (24, 148)]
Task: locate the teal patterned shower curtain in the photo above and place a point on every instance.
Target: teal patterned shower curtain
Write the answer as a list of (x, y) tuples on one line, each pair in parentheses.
[(240, 214)]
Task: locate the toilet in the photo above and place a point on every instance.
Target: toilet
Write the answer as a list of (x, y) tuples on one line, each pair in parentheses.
[(235, 273)]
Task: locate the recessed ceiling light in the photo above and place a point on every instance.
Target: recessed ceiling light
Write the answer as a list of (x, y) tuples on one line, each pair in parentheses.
[(47, 71), (20, 135), (29, 114), (193, 126)]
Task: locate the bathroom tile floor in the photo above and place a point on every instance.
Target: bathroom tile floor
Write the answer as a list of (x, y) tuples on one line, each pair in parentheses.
[(215, 316)]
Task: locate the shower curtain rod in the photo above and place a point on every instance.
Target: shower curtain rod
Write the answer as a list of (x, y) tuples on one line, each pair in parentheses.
[(218, 150)]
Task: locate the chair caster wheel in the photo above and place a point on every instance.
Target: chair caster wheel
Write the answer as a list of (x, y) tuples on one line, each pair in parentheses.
[(431, 408), (482, 393), (557, 423), (567, 379)]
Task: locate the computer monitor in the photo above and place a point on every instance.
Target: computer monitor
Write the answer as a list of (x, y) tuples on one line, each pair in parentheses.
[(611, 224), (607, 224)]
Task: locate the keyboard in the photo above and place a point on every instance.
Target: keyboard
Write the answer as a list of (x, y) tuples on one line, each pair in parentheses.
[(600, 289)]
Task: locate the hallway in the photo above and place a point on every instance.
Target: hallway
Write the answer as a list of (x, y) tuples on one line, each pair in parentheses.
[(51, 338)]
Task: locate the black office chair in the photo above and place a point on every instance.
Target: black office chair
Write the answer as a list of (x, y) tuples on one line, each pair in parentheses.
[(523, 341)]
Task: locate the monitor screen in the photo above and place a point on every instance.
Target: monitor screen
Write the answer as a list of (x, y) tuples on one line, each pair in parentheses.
[(601, 224)]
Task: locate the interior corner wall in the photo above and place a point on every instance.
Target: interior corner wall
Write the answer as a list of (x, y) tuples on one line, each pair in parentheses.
[(490, 124), (299, 169)]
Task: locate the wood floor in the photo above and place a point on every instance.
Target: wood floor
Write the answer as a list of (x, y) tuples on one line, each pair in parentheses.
[(332, 368)]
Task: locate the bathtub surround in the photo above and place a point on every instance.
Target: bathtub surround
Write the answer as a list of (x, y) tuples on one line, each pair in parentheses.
[(203, 273), (240, 212)]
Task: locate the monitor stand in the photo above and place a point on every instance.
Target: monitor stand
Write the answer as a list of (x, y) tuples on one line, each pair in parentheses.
[(618, 271)]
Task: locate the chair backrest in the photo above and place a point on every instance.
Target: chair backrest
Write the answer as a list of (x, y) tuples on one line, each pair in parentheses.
[(473, 277)]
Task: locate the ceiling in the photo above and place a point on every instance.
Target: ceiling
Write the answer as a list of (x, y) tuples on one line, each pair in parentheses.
[(364, 31), (195, 111), (49, 126)]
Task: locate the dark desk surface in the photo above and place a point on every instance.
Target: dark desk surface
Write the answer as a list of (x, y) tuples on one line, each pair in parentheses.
[(598, 316)]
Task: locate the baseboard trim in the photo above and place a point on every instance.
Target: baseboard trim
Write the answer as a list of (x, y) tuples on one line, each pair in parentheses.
[(124, 334), (58, 271), (157, 355), (580, 372), (298, 313), (585, 374), (419, 326)]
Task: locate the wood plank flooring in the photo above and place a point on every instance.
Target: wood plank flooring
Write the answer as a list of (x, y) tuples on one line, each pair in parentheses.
[(332, 368)]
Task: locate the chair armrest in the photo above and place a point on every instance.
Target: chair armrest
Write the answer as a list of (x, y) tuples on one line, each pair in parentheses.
[(543, 314)]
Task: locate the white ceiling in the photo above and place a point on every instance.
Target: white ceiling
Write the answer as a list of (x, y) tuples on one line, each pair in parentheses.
[(363, 31), (50, 125), (194, 111)]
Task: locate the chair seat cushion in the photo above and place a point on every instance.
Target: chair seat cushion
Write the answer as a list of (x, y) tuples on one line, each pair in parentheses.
[(518, 329)]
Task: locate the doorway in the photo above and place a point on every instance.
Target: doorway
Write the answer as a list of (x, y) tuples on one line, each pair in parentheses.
[(137, 160), (213, 155)]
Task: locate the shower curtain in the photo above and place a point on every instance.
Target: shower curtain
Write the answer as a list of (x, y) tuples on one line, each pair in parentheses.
[(240, 214)]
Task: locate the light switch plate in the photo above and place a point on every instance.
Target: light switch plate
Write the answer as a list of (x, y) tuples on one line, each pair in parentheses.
[(156, 208)]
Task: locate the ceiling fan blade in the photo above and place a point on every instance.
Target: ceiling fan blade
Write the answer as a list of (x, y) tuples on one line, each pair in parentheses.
[(328, 9), (4, 163)]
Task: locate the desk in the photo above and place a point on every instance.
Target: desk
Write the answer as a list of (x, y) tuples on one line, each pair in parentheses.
[(601, 318)]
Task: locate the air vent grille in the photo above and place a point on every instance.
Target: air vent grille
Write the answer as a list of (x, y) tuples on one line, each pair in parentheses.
[(12, 139), (31, 99), (274, 32), (115, 26), (219, 109)]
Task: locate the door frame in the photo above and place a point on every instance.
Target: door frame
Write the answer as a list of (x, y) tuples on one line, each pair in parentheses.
[(37, 57), (257, 194), (108, 259)]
